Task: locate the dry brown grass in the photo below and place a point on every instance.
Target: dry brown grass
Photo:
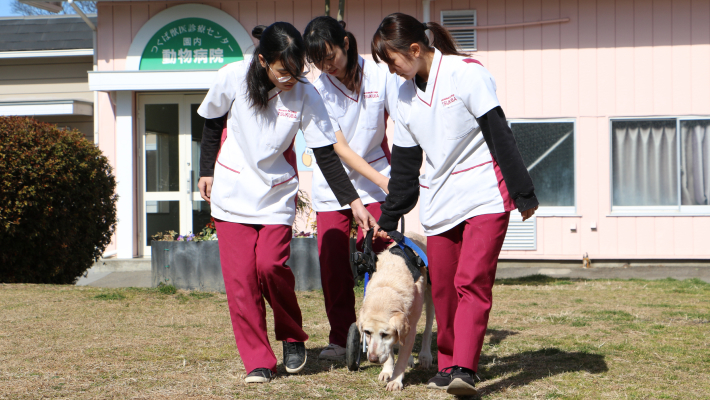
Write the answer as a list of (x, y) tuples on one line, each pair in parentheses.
[(547, 339)]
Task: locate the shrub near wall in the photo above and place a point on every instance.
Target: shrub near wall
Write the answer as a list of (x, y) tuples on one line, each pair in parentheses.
[(57, 202)]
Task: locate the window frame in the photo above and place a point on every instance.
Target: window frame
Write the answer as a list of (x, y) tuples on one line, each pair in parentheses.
[(654, 211), (556, 211)]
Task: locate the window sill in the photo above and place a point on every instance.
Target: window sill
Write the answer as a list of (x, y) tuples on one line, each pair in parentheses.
[(660, 211), (566, 211)]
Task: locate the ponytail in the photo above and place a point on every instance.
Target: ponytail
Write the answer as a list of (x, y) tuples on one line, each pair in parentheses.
[(398, 32), (325, 32), (280, 41), (442, 39)]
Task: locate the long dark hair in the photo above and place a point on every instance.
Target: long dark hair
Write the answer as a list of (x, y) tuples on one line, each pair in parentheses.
[(326, 31), (399, 31), (279, 41)]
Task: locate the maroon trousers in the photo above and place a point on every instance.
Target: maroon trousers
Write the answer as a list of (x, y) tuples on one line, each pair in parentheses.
[(335, 273), (253, 261), (462, 266)]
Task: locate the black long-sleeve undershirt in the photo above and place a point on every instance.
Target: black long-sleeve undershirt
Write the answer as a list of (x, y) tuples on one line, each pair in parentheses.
[(406, 161), (502, 144), (328, 161), (403, 186), (210, 144)]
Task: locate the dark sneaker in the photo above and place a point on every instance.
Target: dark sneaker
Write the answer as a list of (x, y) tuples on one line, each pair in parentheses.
[(259, 375), (462, 383), (441, 380), (294, 356)]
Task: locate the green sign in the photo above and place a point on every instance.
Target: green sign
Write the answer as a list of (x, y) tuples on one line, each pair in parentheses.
[(190, 43)]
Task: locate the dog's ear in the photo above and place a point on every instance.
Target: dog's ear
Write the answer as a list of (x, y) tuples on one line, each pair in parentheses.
[(400, 323)]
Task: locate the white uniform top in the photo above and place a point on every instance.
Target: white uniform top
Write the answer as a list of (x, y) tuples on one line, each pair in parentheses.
[(255, 177), (461, 179), (361, 118)]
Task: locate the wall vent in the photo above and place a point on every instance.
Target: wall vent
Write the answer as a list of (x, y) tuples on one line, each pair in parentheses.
[(521, 235), (465, 38)]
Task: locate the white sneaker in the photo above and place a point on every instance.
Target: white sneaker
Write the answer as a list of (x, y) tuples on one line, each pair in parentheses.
[(333, 352)]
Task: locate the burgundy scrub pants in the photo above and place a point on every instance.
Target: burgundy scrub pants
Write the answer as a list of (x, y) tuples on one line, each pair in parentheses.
[(253, 258), (335, 273), (462, 266)]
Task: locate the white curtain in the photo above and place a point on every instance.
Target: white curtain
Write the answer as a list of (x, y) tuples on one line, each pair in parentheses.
[(645, 164), (695, 162)]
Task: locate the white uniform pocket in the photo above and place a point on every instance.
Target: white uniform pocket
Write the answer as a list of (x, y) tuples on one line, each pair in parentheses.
[(281, 179), (375, 107), (458, 122), (229, 165), (285, 126)]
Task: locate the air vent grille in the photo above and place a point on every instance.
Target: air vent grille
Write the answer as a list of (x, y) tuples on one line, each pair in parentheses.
[(465, 38), (521, 235)]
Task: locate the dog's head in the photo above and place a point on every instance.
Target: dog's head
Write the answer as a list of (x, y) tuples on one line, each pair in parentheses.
[(382, 335)]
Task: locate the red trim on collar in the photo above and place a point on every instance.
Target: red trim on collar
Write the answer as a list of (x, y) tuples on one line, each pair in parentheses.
[(471, 60), (362, 75), (279, 92), (433, 88)]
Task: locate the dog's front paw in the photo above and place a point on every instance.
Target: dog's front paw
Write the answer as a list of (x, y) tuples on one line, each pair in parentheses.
[(410, 362), (385, 375), (425, 359), (394, 386)]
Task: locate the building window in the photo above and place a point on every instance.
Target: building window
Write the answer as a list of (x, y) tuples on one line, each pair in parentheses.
[(660, 165), (547, 148), (455, 19), (695, 162)]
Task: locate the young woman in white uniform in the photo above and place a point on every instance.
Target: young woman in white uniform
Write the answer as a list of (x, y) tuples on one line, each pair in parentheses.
[(474, 177), (249, 176), (359, 94)]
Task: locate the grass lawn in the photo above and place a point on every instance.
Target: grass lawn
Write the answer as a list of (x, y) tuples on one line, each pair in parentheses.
[(547, 339)]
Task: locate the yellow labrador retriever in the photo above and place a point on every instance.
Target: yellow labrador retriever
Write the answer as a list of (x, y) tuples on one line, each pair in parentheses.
[(390, 311)]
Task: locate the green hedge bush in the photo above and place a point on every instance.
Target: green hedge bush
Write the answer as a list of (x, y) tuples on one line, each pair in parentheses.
[(57, 202)]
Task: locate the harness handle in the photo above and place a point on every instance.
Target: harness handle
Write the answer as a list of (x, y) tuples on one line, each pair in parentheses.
[(367, 246)]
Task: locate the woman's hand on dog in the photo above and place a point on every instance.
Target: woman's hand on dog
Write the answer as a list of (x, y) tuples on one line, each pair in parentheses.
[(363, 217), (380, 234)]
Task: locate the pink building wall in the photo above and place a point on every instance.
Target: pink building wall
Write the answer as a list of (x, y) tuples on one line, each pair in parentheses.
[(615, 58)]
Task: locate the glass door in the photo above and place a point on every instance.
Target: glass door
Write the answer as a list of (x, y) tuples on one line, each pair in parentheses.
[(171, 132)]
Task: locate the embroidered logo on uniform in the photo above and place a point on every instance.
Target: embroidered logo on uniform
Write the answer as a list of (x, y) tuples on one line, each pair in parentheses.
[(448, 100), (285, 112), (372, 95)]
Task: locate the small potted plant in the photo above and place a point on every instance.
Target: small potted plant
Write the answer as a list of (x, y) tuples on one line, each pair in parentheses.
[(187, 261), (304, 247)]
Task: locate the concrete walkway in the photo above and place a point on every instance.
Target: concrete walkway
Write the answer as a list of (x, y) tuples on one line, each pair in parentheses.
[(136, 273), (650, 273)]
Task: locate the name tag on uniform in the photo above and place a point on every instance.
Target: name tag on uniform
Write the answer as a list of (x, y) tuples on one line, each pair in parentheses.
[(447, 101), (286, 113), (372, 95)]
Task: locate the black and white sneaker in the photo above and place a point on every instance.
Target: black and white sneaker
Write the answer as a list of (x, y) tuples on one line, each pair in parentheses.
[(294, 356), (259, 375), (462, 383), (441, 380)]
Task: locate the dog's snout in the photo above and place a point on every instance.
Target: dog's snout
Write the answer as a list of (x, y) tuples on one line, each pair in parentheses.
[(373, 358)]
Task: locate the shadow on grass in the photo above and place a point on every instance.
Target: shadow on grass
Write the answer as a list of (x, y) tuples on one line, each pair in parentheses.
[(529, 365), (533, 280), (533, 365), (419, 375)]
